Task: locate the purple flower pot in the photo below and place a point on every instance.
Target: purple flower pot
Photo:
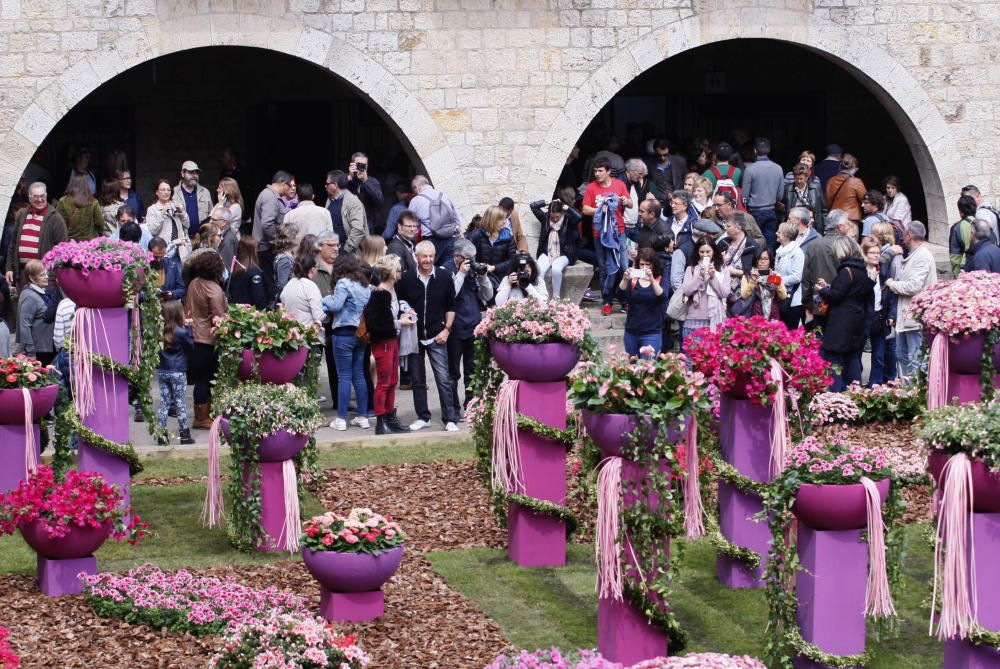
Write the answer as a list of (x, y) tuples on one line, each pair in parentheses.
[(352, 572), (271, 368), (278, 447), (80, 542), (835, 506), (610, 431), (98, 289), (537, 363), (985, 484), (966, 355), (12, 404)]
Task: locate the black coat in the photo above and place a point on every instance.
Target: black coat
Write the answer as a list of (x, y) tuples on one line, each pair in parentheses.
[(500, 253), (568, 233), (248, 287), (431, 302), (851, 297), (379, 319), (404, 250), (813, 199)]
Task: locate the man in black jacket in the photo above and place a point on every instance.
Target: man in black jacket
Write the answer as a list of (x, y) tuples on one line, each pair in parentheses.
[(431, 292), (402, 243)]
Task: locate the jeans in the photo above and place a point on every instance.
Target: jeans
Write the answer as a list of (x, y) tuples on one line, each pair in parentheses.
[(349, 352), (557, 266), (908, 351), (883, 355), (611, 265), (438, 353), (444, 249), (172, 387), (62, 363), (461, 358), (767, 221), (386, 375), (849, 365), (4, 339), (634, 342)]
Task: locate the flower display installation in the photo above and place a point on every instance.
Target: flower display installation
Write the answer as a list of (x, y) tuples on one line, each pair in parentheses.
[(82, 499), (529, 321), (960, 307), (282, 640), (28, 391), (246, 328), (183, 602), (619, 384), (8, 659), (102, 253), (360, 531), (968, 428)]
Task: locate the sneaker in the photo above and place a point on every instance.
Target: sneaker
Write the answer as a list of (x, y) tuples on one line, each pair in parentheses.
[(418, 425), (139, 417), (591, 296), (360, 421), (450, 427), (322, 398), (624, 308), (606, 310), (339, 424)]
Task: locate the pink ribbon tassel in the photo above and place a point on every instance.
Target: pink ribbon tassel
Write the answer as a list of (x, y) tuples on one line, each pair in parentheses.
[(289, 539), (694, 527), (878, 597), (608, 546), (954, 553), (214, 509), (30, 457), (937, 373), (779, 422), (506, 462)]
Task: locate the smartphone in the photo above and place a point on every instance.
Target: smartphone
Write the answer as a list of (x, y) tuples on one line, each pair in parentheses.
[(705, 262), (637, 273), (763, 272)]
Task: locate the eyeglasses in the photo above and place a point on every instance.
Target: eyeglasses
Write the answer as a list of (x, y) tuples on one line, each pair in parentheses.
[(38, 196)]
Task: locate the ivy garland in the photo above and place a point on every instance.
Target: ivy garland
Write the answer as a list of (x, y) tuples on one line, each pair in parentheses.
[(987, 371), (985, 637)]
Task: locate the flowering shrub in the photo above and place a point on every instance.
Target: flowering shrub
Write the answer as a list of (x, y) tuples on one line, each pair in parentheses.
[(741, 349), (836, 461), (966, 428), (21, 371), (8, 660), (183, 602), (529, 321), (702, 661), (361, 531), (553, 659), (894, 400), (620, 384), (962, 306), (262, 409), (281, 641), (830, 408), (83, 499), (246, 328)]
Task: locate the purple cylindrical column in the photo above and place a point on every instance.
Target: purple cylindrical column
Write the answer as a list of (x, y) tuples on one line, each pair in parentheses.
[(536, 539), (13, 468), (745, 439), (111, 415), (959, 653), (272, 504)]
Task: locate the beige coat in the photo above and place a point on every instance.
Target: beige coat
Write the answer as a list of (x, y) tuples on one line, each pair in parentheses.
[(918, 273)]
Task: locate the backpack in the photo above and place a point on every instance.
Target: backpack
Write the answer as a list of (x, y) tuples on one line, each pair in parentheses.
[(439, 216), (726, 184)]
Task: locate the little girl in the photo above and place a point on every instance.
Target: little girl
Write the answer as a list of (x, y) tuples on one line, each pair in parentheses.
[(171, 373)]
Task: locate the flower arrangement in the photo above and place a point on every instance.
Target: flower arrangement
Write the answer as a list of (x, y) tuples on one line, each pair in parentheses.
[(83, 499), (360, 531), (282, 640), (832, 408), (553, 658), (529, 321), (8, 659), (965, 305), (965, 428), (890, 401), (834, 461), (741, 349), (702, 661), (183, 602), (21, 371), (102, 253), (246, 328), (620, 384)]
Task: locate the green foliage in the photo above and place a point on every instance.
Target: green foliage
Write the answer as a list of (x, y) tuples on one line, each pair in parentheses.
[(965, 428)]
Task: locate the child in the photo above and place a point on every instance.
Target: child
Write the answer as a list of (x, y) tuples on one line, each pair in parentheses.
[(171, 373), (36, 314)]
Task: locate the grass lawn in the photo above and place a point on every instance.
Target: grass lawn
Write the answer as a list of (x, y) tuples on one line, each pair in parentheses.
[(543, 607)]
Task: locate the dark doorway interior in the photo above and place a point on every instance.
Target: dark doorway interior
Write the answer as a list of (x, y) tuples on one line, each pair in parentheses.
[(795, 97), (276, 111)]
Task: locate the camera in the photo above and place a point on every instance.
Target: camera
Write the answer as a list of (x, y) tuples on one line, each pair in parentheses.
[(763, 272), (523, 276), (360, 167), (478, 267)]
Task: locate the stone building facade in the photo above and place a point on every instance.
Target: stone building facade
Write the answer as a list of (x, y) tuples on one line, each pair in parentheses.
[(492, 94)]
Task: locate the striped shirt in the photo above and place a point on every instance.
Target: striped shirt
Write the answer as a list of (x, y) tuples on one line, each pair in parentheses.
[(64, 322), (27, 248)]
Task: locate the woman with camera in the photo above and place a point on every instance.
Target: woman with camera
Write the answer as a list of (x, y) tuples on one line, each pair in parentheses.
[(167, 220), (385, 317), (646, 298), (556, 240), (707, 288), (495, 245), (523, 282), (761, 290)]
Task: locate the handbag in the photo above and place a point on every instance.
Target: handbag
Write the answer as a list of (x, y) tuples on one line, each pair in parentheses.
[(677, 307), (742, 306), (362, 330)]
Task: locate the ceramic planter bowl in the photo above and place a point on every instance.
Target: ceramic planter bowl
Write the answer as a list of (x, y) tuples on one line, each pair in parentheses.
[(100, 288), (985, 484), (833, 506), (12, 404), (537, 363), (80, 542), (277, 447), (271, 368), (352, 572)]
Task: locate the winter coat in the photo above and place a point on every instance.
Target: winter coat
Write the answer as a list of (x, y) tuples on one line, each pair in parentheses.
[(84, 222), (813, 199), (248, 287), (919, 273), (568, 233), (499, 253), (851, 297)]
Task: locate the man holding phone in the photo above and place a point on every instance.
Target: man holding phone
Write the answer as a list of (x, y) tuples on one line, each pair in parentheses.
[(367, 188)]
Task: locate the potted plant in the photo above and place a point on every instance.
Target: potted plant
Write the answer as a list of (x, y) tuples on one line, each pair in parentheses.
[(532, 341), (100, 272), (70, 518), (286, 640), (262, 423), (970, 429), (353, 553), (24, 383), (966, 310), (737, 357), (269, 345)]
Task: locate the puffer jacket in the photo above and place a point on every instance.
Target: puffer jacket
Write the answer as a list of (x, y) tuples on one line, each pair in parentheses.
[(499, 253)]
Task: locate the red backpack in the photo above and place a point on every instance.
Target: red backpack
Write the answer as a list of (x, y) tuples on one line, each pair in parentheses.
[(727, 185)]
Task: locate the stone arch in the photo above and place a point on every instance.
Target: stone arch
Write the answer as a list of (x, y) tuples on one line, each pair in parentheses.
[(904, 98), (154, 38)]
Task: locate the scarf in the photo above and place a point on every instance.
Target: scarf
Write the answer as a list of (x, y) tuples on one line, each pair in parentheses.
[(553, 248)]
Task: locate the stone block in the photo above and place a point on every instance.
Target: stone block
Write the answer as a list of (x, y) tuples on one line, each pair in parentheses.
[(34, 124)]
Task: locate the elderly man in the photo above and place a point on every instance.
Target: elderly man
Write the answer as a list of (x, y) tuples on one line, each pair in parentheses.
[(36, 230), (222, 218), (983, 254), (821, 263), (347, 214), (918, 274), (640, 188), (192, 196), (431, 292), (802, 218)]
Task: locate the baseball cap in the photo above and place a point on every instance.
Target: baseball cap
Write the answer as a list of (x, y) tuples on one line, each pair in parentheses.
[(190, 166)]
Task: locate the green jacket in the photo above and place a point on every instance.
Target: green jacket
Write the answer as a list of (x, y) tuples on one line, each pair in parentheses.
[(84, 222)]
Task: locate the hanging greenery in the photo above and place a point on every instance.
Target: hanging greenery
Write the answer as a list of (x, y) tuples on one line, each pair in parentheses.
[(987, 372)]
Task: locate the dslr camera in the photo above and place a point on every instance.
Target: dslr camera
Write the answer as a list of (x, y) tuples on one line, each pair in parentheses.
[(523, 275), (361, 167), (478, 267)]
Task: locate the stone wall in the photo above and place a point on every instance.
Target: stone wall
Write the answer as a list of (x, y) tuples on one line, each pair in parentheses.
[(492, 94)]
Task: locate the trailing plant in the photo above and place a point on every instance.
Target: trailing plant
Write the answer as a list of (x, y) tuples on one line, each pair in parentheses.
[(360, 531), (987, 366), (965, 428), (255, 411)]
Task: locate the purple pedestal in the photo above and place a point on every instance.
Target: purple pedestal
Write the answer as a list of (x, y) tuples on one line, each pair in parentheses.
[(58, 577), (959, 654), (539, 540), (12, 467), (111, 408), (348, 607), (745, 439), (272, 504), (963, 386), (624, 635), (831, 591)]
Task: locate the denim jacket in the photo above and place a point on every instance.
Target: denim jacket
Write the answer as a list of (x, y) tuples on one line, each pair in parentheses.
[(346, 303)]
